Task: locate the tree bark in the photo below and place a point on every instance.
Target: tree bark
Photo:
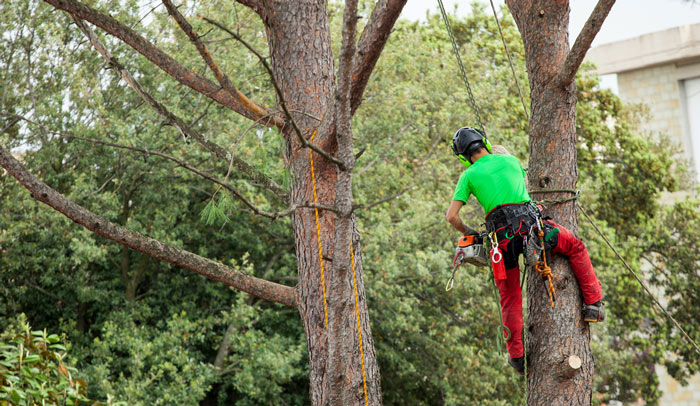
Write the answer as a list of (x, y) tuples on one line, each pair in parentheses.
[(553, 334), (302, 61)]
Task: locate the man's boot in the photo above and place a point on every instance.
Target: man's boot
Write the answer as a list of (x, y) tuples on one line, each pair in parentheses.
[(518, 364), (593, 313)]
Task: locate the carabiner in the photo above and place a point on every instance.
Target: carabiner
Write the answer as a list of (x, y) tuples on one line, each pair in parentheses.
[(496, 253)]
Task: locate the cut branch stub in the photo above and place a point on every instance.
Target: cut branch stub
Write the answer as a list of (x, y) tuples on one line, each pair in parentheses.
[(570, 366)]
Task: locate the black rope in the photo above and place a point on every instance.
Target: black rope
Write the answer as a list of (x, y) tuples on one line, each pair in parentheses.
[(658, 304), (462, 71)]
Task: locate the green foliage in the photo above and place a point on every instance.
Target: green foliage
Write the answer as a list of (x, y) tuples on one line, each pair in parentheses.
[(144, 332), (33, 371)]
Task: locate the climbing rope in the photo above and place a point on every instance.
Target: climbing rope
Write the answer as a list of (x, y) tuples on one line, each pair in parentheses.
[(318, 232), (575, 196), (510, 62), (658, 304), (462, 71), (502, 328), (544, 269), (323, 278)]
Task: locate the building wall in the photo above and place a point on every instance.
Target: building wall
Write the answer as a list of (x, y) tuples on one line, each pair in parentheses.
[(658, 88), (674, 393), (661, 70)]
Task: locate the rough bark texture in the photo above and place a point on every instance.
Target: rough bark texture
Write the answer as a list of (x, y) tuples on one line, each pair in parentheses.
[(555, 334), (302, 60)]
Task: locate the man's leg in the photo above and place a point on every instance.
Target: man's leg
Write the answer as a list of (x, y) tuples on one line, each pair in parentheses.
[(512, 310), (575, 249)]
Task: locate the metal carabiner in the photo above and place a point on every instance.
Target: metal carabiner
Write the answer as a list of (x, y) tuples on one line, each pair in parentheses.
[(496, 252)]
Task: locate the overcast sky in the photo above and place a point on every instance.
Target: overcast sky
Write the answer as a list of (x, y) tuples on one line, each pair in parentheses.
[(628, 18)]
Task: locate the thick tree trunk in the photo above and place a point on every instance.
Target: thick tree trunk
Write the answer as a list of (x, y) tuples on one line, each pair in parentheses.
[(302, 60), (553, 334)]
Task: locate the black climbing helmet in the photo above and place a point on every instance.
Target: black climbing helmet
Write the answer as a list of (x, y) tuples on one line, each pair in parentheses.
[(467, 140)]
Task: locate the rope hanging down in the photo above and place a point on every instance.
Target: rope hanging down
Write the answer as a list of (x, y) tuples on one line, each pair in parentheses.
[(510, 62), (658, 304), (462, 71), (629, 268), (323, 277), (318, 231)]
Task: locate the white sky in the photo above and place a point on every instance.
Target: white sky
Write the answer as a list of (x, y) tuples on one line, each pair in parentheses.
[(627, 19)]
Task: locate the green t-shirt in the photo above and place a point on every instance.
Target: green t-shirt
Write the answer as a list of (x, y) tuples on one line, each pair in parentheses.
[(494, 179)]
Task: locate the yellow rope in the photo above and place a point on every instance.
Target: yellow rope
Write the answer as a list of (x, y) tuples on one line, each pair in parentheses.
[(323, 277), (545, 270), (318, 232), (359, 327)]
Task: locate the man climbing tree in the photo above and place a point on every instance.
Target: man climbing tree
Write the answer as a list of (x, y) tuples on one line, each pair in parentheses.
[(512, 224), (315, 103)]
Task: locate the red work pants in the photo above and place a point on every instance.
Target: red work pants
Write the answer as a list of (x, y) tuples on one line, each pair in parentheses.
[(511, 294)]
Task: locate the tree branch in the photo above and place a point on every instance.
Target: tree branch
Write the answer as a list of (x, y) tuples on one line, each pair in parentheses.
[(583, 42), (371, 44), (183, 164), (224, 81), (178, 123), (238, 102), (254, 5), (213, 270), (283, 104)]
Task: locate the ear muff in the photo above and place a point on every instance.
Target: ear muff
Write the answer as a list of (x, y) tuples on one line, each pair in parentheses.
[(487, 144), (464, 160)]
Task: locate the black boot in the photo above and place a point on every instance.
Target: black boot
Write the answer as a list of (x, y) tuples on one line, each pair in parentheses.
[(593, 313), (518, 364)]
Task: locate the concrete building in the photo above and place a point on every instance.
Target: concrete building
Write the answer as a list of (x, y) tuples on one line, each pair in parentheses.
[(662, 71)]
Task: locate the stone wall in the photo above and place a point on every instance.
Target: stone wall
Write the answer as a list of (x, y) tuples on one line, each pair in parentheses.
[(658, 88), (674, 393)]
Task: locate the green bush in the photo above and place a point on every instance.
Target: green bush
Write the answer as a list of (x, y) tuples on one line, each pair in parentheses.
[(33, 372)]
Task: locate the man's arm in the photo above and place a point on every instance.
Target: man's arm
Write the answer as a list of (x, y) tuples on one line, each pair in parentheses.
[(452, 216)]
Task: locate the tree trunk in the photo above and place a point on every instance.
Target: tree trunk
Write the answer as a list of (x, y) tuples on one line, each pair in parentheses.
[(553, 334), (302, 60)]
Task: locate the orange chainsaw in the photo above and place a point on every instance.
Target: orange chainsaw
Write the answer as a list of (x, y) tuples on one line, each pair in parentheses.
[(470, 249)]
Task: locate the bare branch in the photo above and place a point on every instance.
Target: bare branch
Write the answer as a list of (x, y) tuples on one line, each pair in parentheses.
[(238, 103), (255, 5), (371, 44), (178, 123), (189, 167), (283, 104), (385, 200), (583, 42), (213, 270), (224, 81)]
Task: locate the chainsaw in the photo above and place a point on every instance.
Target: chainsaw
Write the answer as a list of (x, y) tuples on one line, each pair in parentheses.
[(470, 250)]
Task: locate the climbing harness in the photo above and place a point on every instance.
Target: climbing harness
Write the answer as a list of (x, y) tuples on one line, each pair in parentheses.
[(323, 278)]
